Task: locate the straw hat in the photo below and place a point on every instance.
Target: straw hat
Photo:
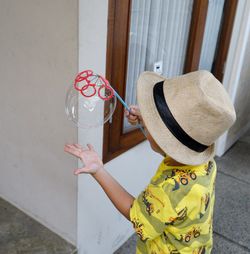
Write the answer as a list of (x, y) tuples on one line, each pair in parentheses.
[(185, 115)]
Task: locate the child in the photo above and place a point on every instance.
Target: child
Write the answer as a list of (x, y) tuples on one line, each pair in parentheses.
[(182, 117)]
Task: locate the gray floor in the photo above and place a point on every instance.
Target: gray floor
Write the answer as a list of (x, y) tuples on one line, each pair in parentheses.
[(232, 207), (19, 234)]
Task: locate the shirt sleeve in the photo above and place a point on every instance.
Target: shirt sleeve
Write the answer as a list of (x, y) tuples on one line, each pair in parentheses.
[(151, 212)]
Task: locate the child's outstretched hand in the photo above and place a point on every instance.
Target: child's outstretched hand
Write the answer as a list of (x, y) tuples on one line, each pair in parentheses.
[(88, 156), (134, 117)]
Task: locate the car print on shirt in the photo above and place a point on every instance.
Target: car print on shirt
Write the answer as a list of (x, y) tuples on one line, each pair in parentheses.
[(149, 206), (139, 229), (181, 177), (194, 233), (181, 215), (173, 251), (205, 199), (209, 167), (201, 250)]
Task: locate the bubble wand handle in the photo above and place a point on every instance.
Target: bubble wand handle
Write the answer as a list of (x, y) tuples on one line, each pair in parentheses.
[(121, 100), (126, 106)]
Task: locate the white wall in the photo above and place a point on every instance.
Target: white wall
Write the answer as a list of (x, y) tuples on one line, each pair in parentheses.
[(237, 77), (39, 56), (101, 228)]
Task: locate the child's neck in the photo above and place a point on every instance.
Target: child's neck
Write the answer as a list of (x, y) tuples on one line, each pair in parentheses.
[(173, 162)]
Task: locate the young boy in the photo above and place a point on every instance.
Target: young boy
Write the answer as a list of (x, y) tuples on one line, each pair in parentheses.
[(182, 117)]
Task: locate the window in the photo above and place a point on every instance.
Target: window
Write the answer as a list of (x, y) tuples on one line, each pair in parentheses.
[(174, 33)]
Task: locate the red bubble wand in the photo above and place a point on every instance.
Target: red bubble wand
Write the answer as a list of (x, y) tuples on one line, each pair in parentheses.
[(88, 83)]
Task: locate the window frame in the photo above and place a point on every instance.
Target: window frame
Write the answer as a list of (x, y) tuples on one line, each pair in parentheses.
[(115, 142)]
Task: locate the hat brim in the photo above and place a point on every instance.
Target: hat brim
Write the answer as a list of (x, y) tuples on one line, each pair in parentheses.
[(158, 130)]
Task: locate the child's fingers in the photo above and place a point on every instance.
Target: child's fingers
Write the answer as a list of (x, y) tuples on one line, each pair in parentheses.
[(134, 115), (135, 110), (67, 145), (72, 146), (134, 107), (80, 149), (133, 118), (133, 122), (72, 150), (80, 171), (126, 112), (130, 115), (69, 149), (91, 148), (77, 146)]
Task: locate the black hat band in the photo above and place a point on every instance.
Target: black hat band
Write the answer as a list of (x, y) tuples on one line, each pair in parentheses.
[(170, 121)]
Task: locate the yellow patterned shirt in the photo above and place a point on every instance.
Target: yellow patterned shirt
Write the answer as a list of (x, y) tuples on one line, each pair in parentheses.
[(174, 213)]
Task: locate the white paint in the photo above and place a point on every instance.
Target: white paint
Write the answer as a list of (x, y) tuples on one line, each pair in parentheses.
[(232, 81), (101, 228), (38, 62)]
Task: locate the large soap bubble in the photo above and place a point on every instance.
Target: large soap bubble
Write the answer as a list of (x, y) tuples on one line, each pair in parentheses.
[(90, 102)]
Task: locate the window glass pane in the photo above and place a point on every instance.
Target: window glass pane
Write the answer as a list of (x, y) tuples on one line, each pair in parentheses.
[(159, 32), (213, 21)]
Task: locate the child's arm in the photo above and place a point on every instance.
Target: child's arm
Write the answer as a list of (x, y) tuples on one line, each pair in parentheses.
[(121, 199)]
